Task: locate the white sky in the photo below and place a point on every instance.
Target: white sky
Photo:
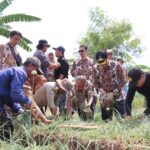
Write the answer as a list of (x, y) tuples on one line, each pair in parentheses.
[(64, 21)]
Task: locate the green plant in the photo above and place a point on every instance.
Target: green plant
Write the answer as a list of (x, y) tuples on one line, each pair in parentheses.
[(20, 17)]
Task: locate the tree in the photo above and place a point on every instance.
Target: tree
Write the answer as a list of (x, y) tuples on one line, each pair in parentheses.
[(105, 33), (5, 20)]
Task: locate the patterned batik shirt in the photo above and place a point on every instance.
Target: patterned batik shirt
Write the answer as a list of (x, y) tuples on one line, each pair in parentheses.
[(110, 79), (83, 67), (80, 98), (7, 59)]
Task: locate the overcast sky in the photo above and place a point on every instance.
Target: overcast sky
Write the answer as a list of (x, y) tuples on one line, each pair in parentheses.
[(64, 21)]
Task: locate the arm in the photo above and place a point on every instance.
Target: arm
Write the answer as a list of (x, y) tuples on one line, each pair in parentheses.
[(147, 110), (128, 101), (54, 66), (120, 80), (18, 60), (90, 95), (73, 69), (16, 85)]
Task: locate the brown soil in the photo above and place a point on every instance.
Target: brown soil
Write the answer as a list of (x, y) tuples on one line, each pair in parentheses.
[(80, 144)]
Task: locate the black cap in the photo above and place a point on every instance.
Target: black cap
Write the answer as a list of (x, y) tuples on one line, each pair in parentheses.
[(60, 48), (44, 42), (35, 61), (101, 57), (133, 76)]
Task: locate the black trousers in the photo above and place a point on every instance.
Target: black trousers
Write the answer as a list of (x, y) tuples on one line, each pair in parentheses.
[(118, 108)]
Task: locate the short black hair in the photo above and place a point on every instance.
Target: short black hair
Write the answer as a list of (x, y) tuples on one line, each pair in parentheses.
[(13, 33), (86, 48), (119, 59)]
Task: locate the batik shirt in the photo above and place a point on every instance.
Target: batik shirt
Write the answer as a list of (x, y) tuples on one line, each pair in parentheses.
[(80, 98), (6, 57), (110, 79), (83, 67)]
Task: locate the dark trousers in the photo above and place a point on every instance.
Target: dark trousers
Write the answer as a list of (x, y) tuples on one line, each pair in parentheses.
[(62, 104), (118, 108), (94, 102)]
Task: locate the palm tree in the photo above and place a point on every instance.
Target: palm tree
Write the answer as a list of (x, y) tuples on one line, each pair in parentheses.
[(21, 17)]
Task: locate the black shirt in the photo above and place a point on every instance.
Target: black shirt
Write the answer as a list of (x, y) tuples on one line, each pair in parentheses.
[(63, 69), (144, 90)]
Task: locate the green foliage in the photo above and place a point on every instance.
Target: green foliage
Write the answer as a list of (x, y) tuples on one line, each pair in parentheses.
[(144, 68), (105, 33), (5, 29)]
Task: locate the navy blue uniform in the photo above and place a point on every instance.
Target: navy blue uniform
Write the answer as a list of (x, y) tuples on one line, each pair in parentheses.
[(144, 90)]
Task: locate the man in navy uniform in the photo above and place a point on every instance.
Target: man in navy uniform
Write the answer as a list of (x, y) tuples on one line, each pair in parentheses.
[(138, 81)]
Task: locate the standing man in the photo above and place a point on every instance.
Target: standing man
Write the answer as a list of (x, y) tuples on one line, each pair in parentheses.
[(61, 72), (110, 54), (9, 55), (40, 54), (83, 65), (110, 81), (138, 81)]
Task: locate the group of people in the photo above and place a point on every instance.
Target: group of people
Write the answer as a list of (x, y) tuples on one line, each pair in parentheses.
[(41, 81)]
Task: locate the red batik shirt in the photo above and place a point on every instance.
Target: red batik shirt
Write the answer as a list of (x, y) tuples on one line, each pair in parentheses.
[(110, 79)]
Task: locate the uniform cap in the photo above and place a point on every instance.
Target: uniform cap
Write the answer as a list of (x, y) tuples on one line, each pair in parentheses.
[(133, 76)]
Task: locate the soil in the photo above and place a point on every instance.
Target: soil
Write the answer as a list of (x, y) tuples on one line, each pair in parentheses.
[(74, 143)]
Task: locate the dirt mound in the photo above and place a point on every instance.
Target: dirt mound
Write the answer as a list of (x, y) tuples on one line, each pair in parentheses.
[(80, 144)]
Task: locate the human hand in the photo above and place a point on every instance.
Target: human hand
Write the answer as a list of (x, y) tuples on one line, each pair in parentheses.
[(47, 121), (102, 93), (141, 116), (88, 105), (54, 66), (110, 95), (128, 118)]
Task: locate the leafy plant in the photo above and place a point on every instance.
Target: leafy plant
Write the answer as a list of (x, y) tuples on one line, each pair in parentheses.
[(5, 28), (106, 33)]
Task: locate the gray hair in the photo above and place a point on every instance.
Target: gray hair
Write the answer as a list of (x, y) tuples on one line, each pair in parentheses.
[(81, 78)]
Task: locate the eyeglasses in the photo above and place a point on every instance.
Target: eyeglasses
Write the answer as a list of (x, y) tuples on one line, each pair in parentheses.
[(81, 51)]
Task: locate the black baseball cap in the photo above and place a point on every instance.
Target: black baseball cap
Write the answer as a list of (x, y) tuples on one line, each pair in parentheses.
[(60, 48), (134, 75), (43, 42), (35, 61)]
